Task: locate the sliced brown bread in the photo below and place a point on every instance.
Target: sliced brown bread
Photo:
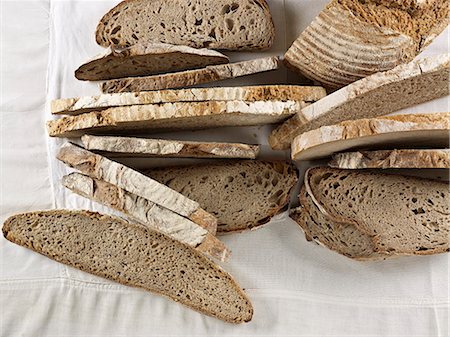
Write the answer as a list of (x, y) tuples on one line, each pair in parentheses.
[(146, 59), (77, 105), (376, 95), (237, 25), (191, 77), (241, 194), (102, 168), (351, 39), (345, 239), (173, 116), (133, 255), (403, 215), (144, 147), (419, 158), (147, 213), (422, 130)]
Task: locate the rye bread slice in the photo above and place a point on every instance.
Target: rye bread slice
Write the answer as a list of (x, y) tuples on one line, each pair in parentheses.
[(145, 60), (241, 194), (102, 168), (404, 215), (345, 239), (351, 39), (386, 159), (173, 116), (190, 78), (132, 255), (78, 105), (422, 130), (379, 94), (147, 213), (237, 25), (145, 147)]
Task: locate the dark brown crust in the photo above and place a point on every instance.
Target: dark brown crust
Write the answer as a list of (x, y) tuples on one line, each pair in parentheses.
[(9, 235)]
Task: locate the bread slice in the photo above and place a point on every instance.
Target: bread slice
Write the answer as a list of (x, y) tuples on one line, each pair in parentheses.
[(99, 167), (237, 25), (380, 94), (404, 215), (345, 239), (351, 39), (173, 116), (408, 131), (146, 59), (420, 159), (144, 147), (241, 194), (145, 212), (135, 256), (78, 105), (191, 77)]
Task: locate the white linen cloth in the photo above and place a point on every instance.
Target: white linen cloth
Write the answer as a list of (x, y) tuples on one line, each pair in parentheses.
[(297, 288)]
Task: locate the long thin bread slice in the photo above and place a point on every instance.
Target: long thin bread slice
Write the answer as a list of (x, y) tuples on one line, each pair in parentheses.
[(147, 213), (77, 105), (144, 147), (404, 215), (145, 60), (422, 130), (345, 239), (407, 158), (220, 24), (191, 77), (351, 39), (173, 116), (242, 194), (132, 255), (379, 94), (99, 167)]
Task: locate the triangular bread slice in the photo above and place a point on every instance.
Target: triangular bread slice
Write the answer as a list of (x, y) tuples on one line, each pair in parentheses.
[(173, 116), (408, 131), (99, 167), (403, 215), (145, 147), (147, 213), (191, 77), (221, 24), (78, 105), (345, 239), (376, 95), (241, 194), (351, 39), (132, 255), (145, 60), (386, 159)]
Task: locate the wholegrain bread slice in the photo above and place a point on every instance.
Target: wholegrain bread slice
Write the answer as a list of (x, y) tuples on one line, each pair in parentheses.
[(144, 147), (145, 212), (99, 167), (379, 94), (407, 158), (132, 255), (345, 239), (146, 59), (173, 116), (241, 194), (407, 131), (191, 77), (351, 39), (77, 105), (237, 25), (404, 215)]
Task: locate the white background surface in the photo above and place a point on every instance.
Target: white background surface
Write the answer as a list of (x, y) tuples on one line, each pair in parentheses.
[(297, 288)]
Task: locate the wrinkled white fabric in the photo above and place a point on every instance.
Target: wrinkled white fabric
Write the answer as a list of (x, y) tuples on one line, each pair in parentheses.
[(297, 288)]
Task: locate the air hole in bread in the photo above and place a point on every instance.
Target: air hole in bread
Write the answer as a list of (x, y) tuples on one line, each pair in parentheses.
[(230, 24)]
